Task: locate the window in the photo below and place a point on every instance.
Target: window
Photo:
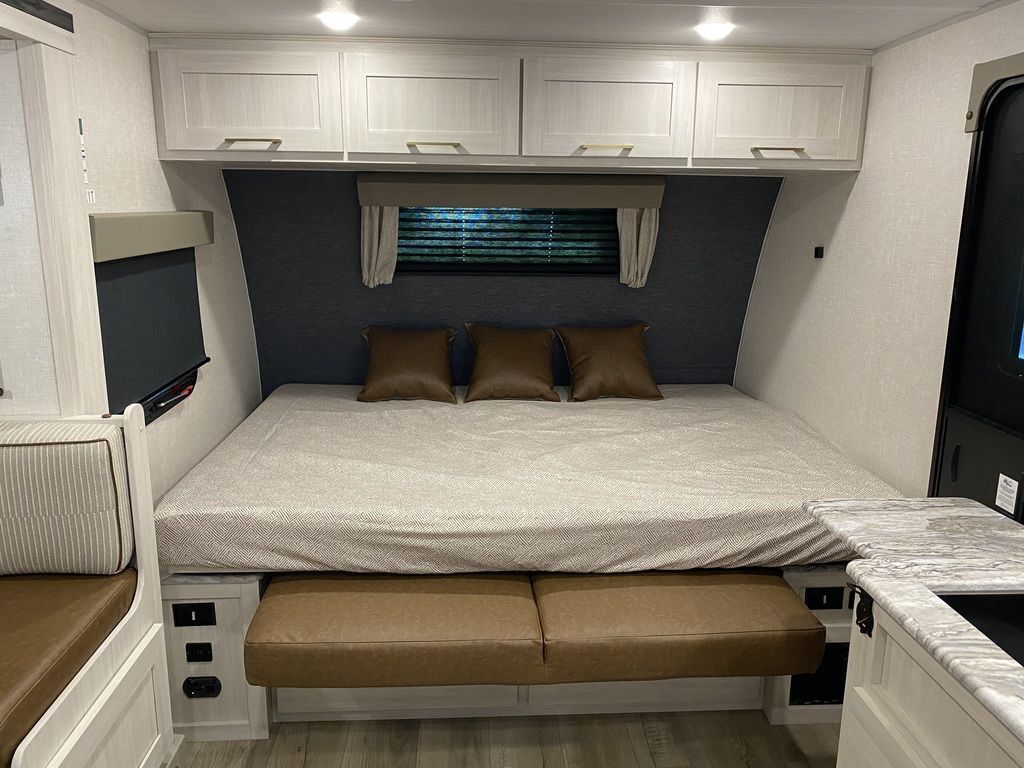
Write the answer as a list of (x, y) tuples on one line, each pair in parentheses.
[(517, 240)]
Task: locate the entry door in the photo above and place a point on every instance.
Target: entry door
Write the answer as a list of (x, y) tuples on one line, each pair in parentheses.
[(982, 451), (989, 358)]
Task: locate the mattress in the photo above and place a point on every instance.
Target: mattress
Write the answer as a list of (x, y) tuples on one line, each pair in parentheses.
[(314, 480)]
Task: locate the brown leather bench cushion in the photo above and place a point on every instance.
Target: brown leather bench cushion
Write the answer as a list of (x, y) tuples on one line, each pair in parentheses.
[(658, 625), (52, 625), (351, 631)]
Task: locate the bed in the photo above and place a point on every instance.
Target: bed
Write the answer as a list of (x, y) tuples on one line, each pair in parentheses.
[(315, 481)]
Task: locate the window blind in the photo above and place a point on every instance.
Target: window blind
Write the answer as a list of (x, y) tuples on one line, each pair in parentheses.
[(508, 239)]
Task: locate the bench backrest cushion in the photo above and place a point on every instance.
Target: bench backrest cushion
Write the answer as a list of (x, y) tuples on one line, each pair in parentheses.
[(64, 503)]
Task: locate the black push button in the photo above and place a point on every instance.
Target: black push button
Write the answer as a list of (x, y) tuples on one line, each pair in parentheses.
[(194, 614), (197, 653)]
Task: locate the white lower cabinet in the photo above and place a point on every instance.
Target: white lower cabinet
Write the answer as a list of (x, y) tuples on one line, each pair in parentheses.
[(759, 111), (251, 101), (428, 104), (128, 724), (902, 709), (624, 108)]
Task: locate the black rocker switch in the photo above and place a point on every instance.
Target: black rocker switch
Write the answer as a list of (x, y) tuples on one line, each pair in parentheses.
[(196, 653), (824, 598), (819, 251), (201, 687), (194, 614)]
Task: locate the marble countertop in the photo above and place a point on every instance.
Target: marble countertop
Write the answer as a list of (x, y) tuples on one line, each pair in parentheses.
[(914, 549)]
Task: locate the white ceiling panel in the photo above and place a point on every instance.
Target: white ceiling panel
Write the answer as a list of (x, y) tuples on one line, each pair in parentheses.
[(866, 24)]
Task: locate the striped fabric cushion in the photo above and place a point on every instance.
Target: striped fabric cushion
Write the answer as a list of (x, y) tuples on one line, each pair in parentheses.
[(64, 505)]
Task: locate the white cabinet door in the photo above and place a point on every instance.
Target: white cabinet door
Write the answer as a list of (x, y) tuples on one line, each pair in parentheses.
[(779, 111), (239, 100), (608, 108), (432, 104)]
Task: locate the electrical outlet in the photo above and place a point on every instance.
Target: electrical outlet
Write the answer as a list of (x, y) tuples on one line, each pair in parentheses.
[(90, 196)]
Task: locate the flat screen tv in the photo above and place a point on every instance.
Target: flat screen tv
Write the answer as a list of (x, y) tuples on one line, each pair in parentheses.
[(150, 322)]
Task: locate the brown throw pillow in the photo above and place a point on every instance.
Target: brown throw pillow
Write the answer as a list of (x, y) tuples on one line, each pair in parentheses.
[(511, 364), (608, 362), (408, 365)]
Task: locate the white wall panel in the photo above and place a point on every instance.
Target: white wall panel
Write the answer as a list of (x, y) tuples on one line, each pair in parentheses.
[(26, 352), (854, 344), (115, 99)]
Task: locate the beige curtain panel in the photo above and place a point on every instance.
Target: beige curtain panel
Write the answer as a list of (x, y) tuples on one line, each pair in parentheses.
[(638, 236), (379, 248)]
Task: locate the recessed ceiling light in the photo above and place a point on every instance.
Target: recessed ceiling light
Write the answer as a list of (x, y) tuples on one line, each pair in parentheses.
[(715, 30), (338, 20)]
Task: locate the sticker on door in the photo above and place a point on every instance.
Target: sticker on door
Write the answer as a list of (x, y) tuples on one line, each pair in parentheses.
[(1006, 494)]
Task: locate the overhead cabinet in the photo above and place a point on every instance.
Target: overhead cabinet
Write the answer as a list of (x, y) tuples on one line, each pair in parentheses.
[(509, 106), (619, 108), (759, 111), (432, 103), (267, 101)]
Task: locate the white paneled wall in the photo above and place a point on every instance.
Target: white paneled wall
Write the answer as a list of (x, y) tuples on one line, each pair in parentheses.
[(854, 344), (115, 98), (26, 353)]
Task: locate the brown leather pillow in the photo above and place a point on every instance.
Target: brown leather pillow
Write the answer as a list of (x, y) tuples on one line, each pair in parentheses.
[(608, 362), (511, 364), (408, 365)]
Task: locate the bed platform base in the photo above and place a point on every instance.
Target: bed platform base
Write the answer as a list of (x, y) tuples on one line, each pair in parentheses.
[(681, 695), (349, 647)]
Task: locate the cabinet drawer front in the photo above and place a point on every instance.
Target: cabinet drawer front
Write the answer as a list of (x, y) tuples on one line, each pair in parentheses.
[(608, 108), (426, 104), (239, 101), (786, 112)]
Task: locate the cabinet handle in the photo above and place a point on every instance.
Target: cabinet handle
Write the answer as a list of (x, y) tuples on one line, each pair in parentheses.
[(954, 463), (798, 150), (235, 139), (433, 143), (627, 147)]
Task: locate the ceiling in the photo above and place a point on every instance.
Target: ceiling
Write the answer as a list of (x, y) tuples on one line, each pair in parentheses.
[(865, 24)]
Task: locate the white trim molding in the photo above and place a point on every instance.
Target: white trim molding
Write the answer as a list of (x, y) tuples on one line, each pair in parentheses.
[(24, 26), (51, 121)]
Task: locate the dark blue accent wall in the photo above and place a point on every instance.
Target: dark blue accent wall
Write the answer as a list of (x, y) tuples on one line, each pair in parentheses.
[(299, 235)]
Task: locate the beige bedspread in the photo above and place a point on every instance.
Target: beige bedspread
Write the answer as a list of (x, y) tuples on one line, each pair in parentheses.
[(314, 480)]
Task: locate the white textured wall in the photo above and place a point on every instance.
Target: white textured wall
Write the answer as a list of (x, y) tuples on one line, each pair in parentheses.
[(854, 344), (115, 99), (26, 351)]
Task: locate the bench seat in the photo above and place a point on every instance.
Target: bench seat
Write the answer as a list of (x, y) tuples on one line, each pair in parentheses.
[(659, 626), (353, 631), (356, 631), (52, 626)]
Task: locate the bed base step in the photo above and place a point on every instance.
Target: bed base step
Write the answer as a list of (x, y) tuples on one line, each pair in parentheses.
[(681, 695)]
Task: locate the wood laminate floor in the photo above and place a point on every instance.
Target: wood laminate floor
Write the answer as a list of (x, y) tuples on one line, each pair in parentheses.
[(676, 740)]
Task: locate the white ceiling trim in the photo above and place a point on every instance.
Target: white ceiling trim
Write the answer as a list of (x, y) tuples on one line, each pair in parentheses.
[(174, 39)]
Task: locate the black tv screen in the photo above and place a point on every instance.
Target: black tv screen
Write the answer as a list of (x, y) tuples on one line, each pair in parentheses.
[(150, 322)]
